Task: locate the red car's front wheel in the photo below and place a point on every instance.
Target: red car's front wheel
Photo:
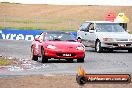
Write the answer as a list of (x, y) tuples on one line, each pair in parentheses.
[(34, 57)]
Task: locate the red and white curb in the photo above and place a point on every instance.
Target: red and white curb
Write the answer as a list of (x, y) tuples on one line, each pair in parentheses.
[(23, 65)]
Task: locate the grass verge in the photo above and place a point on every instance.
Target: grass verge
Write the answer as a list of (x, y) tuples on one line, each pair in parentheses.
[(4, 61)]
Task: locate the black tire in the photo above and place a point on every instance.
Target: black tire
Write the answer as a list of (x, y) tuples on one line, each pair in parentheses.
[(110, 50), (43, 57), (98, 47), (130, 50), (69, 60), (34, 57), (81, 80), (81, 60)]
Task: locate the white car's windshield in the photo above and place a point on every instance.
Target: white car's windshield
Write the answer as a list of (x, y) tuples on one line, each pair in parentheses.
[(109, 27)]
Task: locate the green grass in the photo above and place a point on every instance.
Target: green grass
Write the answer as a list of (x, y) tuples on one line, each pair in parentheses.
[(130, 32), (67, 24), (41, 24), (23, 28), (15, 20), (5, 62)]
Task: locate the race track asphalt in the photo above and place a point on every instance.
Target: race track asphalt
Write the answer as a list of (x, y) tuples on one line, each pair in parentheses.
[(119, 62)]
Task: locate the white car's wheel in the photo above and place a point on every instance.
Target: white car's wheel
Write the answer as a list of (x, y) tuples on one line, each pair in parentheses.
[(98, 47)]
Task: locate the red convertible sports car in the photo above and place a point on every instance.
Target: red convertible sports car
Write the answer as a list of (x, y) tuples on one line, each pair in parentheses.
[(57, 45)]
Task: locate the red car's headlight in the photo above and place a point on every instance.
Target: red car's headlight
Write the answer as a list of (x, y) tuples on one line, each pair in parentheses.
[(80, 48), (51, 47)]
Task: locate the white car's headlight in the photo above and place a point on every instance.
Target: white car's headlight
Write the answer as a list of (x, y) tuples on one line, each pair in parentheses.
[(80, 48), (51, 47), (108, 39), (130, 39)]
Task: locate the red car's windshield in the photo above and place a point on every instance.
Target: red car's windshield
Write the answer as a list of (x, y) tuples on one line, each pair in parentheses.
[(59, 37)]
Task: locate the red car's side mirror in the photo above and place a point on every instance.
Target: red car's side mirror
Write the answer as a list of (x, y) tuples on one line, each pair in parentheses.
[(37, 39), (79, 40)]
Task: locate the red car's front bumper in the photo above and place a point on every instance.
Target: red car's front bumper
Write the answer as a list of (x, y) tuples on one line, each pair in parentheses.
[(64, 54)]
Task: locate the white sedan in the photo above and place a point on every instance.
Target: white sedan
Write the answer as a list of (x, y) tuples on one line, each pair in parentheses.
[(105, 35)]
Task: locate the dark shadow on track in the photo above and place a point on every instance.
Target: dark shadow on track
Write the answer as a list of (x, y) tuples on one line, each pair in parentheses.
[(59, 61), (107, 51)]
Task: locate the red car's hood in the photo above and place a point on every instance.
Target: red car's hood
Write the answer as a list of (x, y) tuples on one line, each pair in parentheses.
[(63, 44)]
